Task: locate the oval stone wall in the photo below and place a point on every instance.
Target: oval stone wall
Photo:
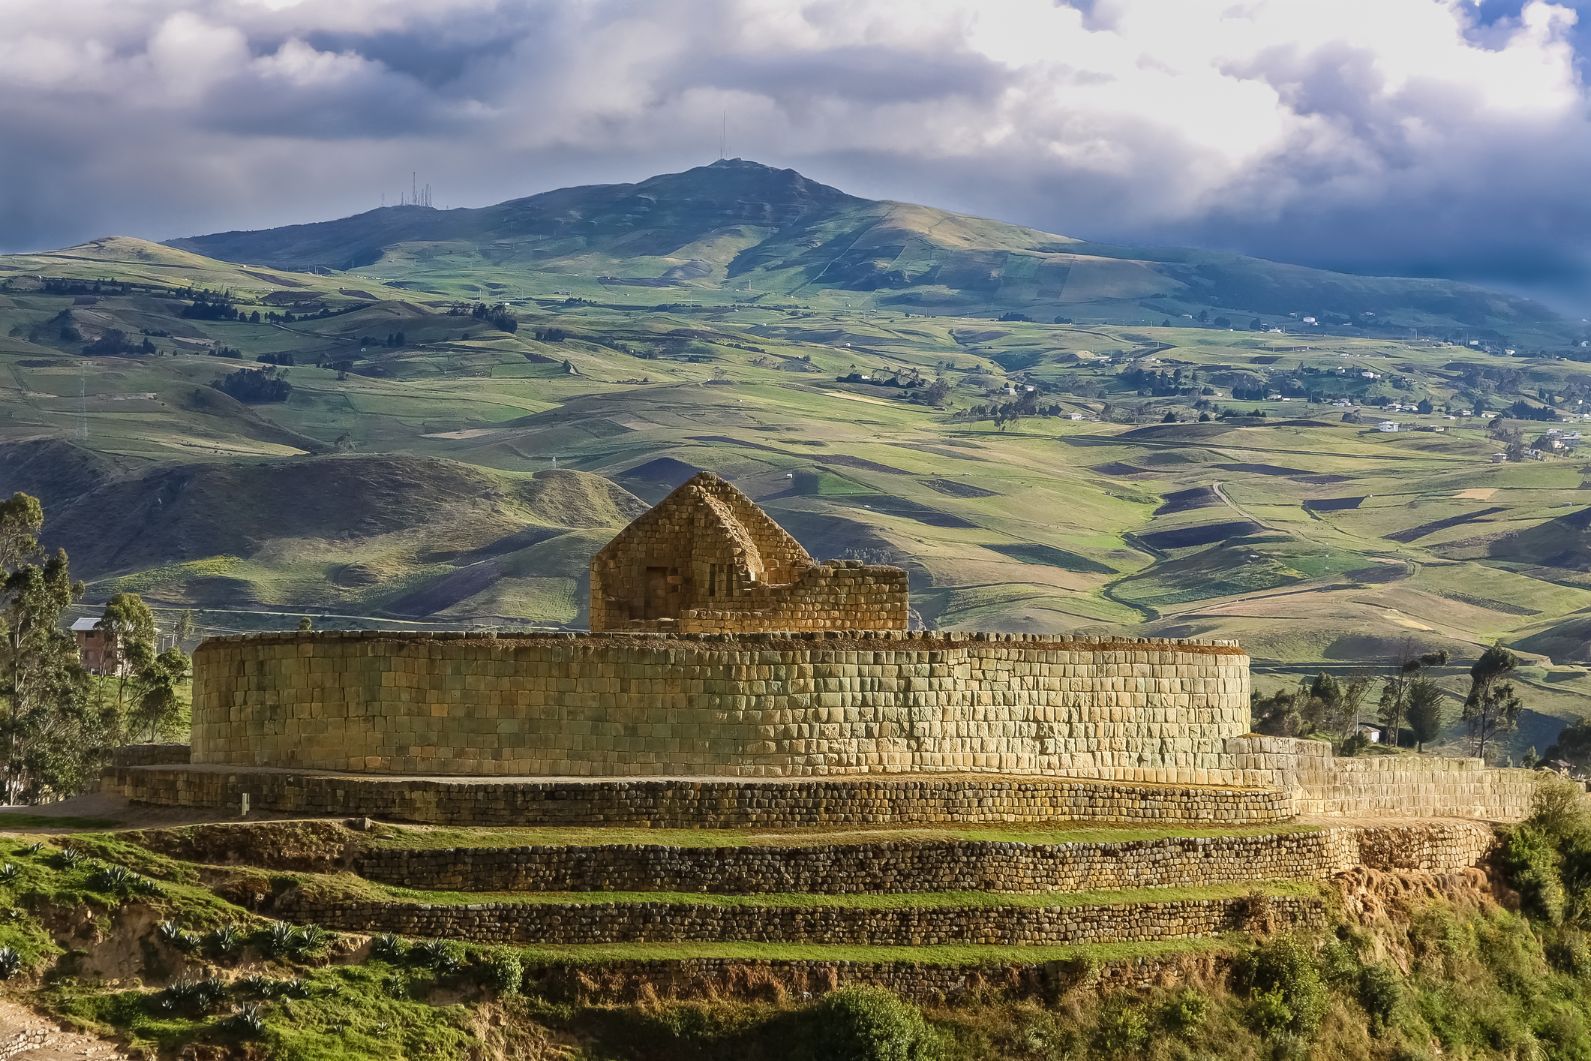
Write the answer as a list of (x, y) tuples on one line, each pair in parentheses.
[(613, 705)]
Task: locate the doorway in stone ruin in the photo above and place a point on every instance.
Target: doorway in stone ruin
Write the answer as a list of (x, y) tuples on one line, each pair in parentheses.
[(662, 593)]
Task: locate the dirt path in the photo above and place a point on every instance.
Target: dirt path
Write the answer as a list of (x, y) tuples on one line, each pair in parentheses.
[(26, 1036)]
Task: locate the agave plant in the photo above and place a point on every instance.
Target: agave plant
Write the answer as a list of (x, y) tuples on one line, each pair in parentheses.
[(444, 956), (9, 872), (387, 947), (191, 996), (281, 940), (34, 848), (69, 858), (112, 878), (177, 936), (224, 941), (312, 939), (10, 962), (248, 1022), (255, 984)]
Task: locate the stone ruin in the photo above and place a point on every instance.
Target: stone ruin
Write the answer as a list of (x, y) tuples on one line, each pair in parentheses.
[(736, 677), (707, 560)]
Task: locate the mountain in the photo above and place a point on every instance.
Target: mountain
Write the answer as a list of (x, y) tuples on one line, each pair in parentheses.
[(742, 227)]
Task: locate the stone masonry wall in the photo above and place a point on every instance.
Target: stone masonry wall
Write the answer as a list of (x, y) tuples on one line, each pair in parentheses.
[(1375, 786), (952, 865), (838, 595), (708, 560), (737, 706), (564, 923), (695, 803), (769, 980)]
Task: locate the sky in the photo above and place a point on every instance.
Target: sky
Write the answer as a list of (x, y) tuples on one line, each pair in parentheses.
[(1426, 137)]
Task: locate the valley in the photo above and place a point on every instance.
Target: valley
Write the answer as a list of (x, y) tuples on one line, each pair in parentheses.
[(474, 404)]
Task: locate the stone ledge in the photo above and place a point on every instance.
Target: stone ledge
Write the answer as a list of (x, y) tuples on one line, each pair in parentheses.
[(767, 980), (696, 802), (905, 638), (563, 924), (928, 865)]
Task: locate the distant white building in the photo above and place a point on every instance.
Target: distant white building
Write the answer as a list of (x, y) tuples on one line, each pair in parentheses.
[(1387, 425), (1310, 320), (1499, 458)]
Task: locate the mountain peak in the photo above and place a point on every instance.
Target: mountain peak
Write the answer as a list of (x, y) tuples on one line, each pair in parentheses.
[(744, 180)]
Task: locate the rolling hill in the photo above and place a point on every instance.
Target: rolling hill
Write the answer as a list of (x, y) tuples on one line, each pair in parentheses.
[(741, 227), (433, 460)]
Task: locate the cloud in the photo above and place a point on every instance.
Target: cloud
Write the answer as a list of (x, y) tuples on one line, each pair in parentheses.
[(1442, 136)]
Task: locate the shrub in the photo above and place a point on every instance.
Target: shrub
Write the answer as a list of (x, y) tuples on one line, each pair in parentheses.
[(503, 973), (1568, 952), (1268, 1014), (1284, 987), (1380, 991), (1339, 964), (871, 1024), (1185, 1011), (1530, 862), (1123, 1029)]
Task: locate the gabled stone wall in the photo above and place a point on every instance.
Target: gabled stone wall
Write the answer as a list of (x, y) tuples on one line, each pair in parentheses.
[(706, 559)]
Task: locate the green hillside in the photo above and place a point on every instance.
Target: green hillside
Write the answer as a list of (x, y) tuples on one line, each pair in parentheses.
[(744, 230), (438, 461)]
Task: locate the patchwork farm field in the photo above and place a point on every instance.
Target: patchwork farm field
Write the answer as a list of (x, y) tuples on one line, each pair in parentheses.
[(430, 463)]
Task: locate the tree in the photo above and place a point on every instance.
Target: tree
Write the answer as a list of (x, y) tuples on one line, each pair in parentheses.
[(131, 626), (54, 729), (1492, 707), (185, 630), (1321, 705), (305, 624), (1573, 745), (157, 704), (1425, 711), (1395, 693), (257, 384)]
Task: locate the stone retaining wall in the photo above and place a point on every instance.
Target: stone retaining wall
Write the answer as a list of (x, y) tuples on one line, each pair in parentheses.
[(745, 705), (934, 865), (924, 983), (684, 803), (151, 755), (560, 924), (1375, 786)]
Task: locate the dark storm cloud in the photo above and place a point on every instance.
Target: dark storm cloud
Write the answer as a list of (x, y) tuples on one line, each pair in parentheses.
[(1436, 136)]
